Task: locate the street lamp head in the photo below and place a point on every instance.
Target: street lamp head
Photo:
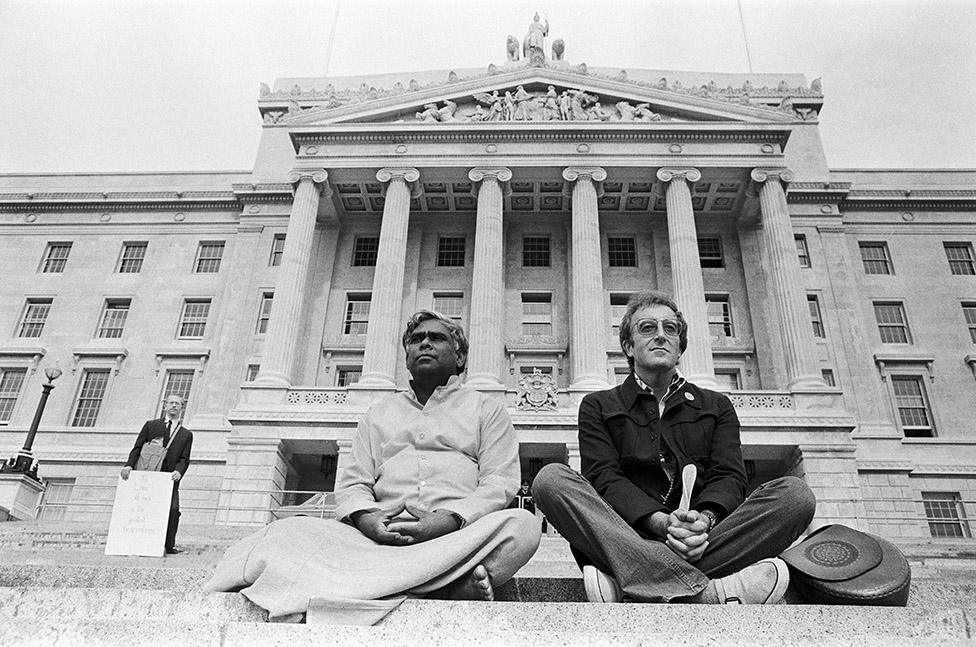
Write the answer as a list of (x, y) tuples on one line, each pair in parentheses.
[(52, 373)]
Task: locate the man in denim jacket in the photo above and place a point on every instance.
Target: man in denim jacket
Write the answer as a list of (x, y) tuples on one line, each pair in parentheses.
[(623, 519)]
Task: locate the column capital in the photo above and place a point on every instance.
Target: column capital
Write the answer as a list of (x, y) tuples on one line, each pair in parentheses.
[(409, 176), (500, 173), (762, 174), (316, 175), (595, 173), (668, 173), (390, 173)]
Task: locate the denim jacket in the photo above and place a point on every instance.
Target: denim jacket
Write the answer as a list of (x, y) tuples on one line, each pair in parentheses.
[(621, 436)]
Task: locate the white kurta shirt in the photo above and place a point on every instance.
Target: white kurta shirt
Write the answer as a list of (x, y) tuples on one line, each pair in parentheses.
[(459, 452)]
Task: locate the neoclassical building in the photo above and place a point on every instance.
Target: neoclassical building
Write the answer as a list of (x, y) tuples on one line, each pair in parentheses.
[(527, 200)]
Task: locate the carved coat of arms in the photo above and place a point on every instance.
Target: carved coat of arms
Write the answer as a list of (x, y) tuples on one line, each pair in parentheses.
[(536, 392)]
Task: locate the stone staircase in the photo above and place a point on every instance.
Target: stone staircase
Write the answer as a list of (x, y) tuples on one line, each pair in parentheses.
[(57, 588)]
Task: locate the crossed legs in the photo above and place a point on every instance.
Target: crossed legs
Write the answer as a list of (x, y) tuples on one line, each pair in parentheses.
[(765, 524)]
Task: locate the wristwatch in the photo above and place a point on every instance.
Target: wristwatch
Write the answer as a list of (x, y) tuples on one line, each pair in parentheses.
[(712, 519)]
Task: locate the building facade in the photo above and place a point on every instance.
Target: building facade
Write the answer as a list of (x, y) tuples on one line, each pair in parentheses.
[(527, 200)]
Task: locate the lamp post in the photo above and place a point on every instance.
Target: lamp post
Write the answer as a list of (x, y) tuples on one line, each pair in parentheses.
[(23, 462)]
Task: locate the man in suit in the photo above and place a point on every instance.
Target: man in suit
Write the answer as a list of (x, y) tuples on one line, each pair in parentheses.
[(178, 441)]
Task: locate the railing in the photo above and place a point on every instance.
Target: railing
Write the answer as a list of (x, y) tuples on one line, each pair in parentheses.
[(318, 397)]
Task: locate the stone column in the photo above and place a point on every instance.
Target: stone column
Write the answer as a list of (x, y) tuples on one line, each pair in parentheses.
[(487, 281), (385, 328), (278, 356), (686, 275), (789, 297), (589, 327)]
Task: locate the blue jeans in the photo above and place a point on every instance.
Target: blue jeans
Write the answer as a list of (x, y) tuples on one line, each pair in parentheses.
[(766, 523)]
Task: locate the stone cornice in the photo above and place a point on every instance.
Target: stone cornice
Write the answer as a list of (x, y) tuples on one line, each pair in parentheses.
[(119, 201), (800, 192), (520, 132)]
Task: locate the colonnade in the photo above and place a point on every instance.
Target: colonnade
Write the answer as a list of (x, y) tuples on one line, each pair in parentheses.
[(587, 338)]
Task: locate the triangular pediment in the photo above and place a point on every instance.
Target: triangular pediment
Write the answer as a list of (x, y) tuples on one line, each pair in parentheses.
[(534, 96)]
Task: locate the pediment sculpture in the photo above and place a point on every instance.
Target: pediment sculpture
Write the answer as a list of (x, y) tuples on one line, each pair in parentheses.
[(536, 392), (522, 105)]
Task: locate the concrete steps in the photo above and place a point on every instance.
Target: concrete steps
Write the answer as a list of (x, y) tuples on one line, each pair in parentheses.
[(58, 588), (121, 617)]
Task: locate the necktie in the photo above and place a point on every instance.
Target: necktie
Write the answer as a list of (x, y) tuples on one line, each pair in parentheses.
[(169, 430)]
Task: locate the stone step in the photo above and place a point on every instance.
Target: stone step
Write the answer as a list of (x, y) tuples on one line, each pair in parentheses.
[(23, 632), (84, 604), (926, 592), (433, 623)]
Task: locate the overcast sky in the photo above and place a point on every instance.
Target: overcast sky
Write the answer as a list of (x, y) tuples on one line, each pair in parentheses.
[(139, 85)]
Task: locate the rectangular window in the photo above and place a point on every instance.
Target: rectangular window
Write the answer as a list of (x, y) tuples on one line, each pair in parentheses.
[(93, 384), (357, 314), (710, 252), (179, 382), (55, 258), (365, 251), (264, 313), (193, 321), (277, 250), (11, 381), (114, 314), (729, 379), (251, 373), (130, 262), (209, 254), (969, 312), (719, 315), (802, 252), (535, 251), (57, 494), (618, 307), (622, 252), (828, 377), (960, 257), (346, 375), (912, 405), (35, 316), (892, 323), (536, 314), (816, 318), (875, 257), (450, 251), (450, 304), (946, 514)]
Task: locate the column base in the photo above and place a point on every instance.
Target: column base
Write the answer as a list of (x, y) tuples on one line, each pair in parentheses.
[(808, 383), (272, 379), (704, 381), (589, 383), (260, 394), (484, 382), (374, 381)]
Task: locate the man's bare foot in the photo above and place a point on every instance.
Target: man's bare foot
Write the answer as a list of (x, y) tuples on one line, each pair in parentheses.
[(476, 585), (481, 582)]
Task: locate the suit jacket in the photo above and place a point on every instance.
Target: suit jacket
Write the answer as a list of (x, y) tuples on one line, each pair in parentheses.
[(177, 454), (621, 437)]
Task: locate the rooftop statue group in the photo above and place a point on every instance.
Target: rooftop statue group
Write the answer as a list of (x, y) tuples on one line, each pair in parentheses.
[(522, 105)]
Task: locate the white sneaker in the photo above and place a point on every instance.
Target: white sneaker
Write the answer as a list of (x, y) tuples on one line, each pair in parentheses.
[(599, 586), (764, 582)]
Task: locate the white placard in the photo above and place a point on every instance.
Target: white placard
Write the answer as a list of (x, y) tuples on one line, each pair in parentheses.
[(140, 514)]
